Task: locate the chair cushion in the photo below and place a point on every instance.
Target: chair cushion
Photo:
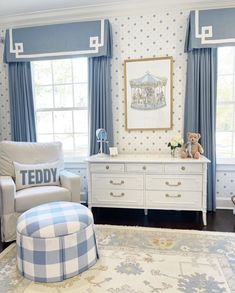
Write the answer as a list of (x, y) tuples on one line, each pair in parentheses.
[(31, 197), (30, 175), (28, 153)]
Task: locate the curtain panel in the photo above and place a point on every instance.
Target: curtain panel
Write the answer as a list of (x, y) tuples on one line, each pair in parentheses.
[(23, 126), (207, 30), (210, 29), (100, 103), (89, 38), (100, 97), (200, 109)]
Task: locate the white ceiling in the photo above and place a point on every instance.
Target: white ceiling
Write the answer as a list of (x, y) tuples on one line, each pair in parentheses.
[(13, 7), (16, 7), (25, 12)]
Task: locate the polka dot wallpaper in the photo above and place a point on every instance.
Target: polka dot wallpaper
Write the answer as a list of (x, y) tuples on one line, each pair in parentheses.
[(147, 36), (225, 184), (5, 129), (142, 36), (82, 172)]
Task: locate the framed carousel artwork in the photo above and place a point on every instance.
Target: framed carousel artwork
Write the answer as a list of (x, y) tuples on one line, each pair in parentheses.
[(148, 93)]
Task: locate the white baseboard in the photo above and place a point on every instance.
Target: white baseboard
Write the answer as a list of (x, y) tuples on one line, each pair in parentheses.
[(224, 203)]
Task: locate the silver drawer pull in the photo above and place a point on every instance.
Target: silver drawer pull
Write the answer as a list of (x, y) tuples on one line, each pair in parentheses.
[(168, 195), (107, 167), (117, 195), (169, 184), (144, 168), (183, 168), (116, 183)]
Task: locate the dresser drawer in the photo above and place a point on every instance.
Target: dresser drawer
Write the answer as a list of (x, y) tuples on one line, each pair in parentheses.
[(107, 167), (168, 182), (117, 181), (154, 168), (183, 168), (173, 199), (121, 198)]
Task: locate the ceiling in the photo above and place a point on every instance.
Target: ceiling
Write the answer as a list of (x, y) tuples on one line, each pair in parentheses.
[(16, 7), (25, 12)]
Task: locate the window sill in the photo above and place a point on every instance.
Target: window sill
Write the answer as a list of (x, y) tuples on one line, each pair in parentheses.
[(225, 165), (75, 160), (225, 161)]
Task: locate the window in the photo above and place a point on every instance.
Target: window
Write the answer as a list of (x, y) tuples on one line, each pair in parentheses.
[(225, 129), (61, 102)]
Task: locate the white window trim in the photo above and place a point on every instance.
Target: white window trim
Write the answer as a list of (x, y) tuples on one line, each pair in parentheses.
[(69, 156), (229, 160)]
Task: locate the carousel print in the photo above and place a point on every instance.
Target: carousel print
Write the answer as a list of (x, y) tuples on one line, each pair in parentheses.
[(148, 92)]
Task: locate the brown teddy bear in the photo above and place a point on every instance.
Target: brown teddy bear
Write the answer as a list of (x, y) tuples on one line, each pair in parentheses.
[(192, 149)]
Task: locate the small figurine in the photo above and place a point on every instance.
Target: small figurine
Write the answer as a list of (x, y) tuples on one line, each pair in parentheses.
[(102, 138)]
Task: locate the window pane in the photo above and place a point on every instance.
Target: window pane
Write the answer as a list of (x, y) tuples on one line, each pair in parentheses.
[(80, 73), (63, 96), (226, 54), (81, 144), (224, 144), (67, 141), (224, 118), (44, 97), (44, 122), (225, 88), (80, 95), (233, 152), (60, 87), (63, 122), (42, 72), (62, 71), (80, 121), (45, 138)]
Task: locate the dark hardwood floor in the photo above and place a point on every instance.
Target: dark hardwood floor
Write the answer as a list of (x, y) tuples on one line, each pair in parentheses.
[(222, 220)]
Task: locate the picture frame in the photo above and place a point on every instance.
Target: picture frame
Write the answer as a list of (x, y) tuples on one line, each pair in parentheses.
[(148, 93)]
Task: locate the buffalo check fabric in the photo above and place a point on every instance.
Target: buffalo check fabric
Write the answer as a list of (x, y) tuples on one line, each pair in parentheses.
[(55, 241)]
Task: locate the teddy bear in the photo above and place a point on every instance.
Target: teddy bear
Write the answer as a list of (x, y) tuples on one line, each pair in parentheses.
[(192, 149)]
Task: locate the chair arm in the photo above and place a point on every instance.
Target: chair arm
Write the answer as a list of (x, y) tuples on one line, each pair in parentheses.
[(71, 181), (7, 194)]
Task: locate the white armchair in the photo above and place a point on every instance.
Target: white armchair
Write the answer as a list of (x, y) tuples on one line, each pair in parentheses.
[(13, 201)]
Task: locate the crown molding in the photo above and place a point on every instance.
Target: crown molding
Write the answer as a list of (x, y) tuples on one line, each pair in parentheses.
[(106, 10)]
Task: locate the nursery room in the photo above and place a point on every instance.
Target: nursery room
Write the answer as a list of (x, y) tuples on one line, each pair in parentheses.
[(117, 146)]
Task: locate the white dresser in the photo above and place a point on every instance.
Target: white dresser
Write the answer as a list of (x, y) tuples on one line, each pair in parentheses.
[(148, 182)]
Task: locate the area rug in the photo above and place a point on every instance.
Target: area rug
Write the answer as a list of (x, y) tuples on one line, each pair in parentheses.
[(142, 260)]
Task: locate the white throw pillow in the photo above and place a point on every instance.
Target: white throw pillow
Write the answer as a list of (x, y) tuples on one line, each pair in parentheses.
[(29, 175)]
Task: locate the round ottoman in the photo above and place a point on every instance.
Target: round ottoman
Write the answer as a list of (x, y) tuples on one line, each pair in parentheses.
[(55, 241)]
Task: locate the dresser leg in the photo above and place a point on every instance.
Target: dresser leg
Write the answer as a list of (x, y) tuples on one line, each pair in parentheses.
[(204, 218), (145, 212)]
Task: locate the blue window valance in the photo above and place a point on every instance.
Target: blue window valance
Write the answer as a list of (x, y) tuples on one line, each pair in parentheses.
[(210, 29), (90, 38)]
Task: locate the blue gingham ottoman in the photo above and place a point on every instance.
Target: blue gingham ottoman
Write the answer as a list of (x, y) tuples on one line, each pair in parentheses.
[(55, 241)]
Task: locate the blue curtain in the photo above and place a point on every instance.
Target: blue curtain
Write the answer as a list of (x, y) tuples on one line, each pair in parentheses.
[(21, 102), (200, 109), (100, 101)]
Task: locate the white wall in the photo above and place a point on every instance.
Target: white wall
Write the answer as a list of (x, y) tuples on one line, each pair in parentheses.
[(141, 36)]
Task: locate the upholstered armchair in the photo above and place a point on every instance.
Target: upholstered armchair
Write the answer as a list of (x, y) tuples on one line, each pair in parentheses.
[(32, 174)]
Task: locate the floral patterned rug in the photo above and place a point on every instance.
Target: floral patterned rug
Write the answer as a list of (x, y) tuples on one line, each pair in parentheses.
[(142, 260)]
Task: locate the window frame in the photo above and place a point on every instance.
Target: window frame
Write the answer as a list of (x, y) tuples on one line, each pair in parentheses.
[(227, 160), (69, 156)]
